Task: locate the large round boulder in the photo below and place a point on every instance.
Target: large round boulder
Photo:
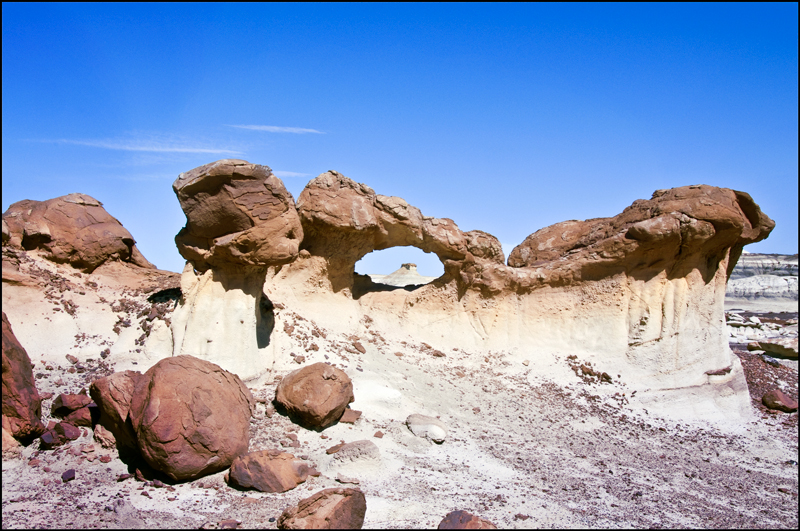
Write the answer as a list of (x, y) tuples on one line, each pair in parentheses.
[(315, 396), (191, 417)]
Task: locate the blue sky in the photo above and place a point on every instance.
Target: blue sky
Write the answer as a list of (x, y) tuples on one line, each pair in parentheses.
[(506, 118)]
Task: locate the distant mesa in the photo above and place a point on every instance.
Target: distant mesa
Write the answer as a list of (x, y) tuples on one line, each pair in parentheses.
[(407, 275)]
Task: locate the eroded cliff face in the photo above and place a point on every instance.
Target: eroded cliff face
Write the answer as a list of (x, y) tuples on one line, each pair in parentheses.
[(641, 294)]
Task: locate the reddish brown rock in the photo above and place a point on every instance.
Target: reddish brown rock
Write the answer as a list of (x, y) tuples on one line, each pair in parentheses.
[(22, 407), (677, 230), (80, 417), (73, 229), (327, 509), (191, 418), (464, 520), (269, 471), (113, 395), (237, 214), (60, 434), (315, 396), (64, 404), (776, 399), (344, 220), (350, 416)]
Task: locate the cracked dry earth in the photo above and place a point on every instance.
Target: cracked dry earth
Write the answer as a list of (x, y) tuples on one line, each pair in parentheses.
[(521, 451)]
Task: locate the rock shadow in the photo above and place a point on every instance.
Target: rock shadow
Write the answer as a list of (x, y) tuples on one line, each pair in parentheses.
[(265, 323)]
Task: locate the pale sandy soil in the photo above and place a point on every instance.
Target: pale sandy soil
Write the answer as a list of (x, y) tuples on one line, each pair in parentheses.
[(523, 450)]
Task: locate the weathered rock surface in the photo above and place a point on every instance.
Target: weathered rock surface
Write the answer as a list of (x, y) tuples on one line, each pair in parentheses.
[(22, 408), (427, 427), (64, 404), (363, 450), (237, 214), (269, 471), (327, 509), (779, 347), (315, 396), (777, 399), (191, 418), (73, 229), (113, 395), (642, 291), (240, 220), (464, 520), (344, 220)]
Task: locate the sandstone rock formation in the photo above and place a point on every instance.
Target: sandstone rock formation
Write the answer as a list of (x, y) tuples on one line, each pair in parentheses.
[(73, 229), (640, 294), (113, 395), (22, 408), (268, 471), (327, 509), (191, 418), (240, 220), (464, 520), (315, 396)]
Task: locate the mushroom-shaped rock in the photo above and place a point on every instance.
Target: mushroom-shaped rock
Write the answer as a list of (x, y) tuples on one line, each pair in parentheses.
[(464, 520), (73, 229), (269, 471), (191, 417), (240, 220), (427, 427), (327, 509), (113, 395), (22, 407), (315, 396)]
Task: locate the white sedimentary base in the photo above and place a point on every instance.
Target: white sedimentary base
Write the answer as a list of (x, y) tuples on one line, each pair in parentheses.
[(219, 320), (660, 335)]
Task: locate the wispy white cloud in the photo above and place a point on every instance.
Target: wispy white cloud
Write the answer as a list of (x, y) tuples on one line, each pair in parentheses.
[(146, 146), (290, 174), (277, 129)]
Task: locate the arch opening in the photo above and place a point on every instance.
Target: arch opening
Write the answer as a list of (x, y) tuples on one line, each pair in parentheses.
[(406, 268)]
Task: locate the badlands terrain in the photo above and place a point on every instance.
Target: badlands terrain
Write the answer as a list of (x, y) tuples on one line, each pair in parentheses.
[(598, 377)]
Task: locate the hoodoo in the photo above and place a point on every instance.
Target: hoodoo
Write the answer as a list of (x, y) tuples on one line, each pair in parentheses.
[(240, 220)]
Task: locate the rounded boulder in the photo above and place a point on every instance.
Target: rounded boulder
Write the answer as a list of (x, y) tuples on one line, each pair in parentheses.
[(315, 396), (191, 417)]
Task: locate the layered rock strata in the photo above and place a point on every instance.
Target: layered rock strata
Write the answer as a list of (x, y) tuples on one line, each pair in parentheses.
[(240, 220)]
